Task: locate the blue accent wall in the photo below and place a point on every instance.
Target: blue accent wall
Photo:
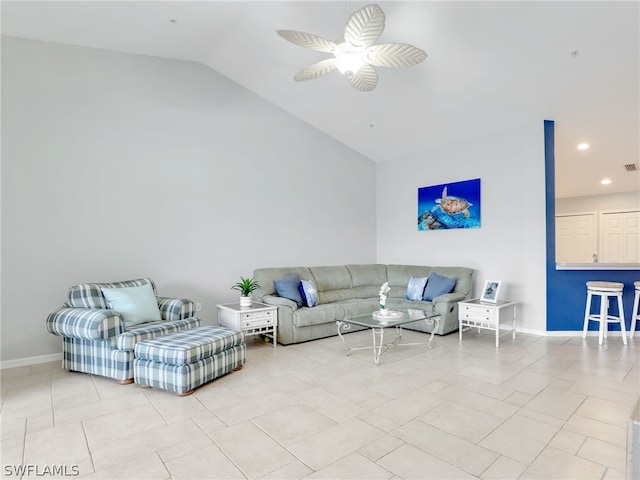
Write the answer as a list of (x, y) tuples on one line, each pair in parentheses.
[(566, 289)]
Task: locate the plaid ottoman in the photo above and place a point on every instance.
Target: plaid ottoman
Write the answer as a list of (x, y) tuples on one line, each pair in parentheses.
[(181, 361)]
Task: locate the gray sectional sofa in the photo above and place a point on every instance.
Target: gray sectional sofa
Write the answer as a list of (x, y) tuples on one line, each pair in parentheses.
[(346, 290)]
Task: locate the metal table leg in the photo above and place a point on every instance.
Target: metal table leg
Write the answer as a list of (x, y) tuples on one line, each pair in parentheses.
[(378, 349), (343, 326), (431, 321)]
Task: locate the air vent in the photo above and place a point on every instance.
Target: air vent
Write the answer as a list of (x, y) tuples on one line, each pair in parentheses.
[(631, 167)]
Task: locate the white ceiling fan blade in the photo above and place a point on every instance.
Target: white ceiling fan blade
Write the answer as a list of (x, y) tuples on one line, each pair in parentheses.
[(364, 79), (394, 55), (307, 40), (316, 70), (364, 26)]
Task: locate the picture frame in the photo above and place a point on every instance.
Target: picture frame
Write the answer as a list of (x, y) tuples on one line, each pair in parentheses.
[(490, 291), (449, 205)]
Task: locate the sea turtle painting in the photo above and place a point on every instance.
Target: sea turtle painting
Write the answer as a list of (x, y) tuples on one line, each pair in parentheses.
[(438, 210), (452, 205)]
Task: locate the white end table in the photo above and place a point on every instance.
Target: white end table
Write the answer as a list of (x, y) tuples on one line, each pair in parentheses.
[(258, 319), (477, 314)]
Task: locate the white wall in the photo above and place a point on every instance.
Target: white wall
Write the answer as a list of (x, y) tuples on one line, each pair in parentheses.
[(612, 201), (509, 246), (118, 166)]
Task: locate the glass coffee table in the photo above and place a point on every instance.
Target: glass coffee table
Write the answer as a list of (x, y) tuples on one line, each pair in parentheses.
[(378, 323)]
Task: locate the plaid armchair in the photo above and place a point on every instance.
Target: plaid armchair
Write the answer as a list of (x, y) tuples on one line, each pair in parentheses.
[(96, 340)]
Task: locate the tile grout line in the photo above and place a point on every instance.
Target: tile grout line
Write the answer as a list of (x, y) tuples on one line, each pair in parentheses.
[(144, 392), (225, 454), (637, 362), (458, 467), (24, 444), (86, 441), (164, 464), (93, 380), (283, 446), (53, 410)]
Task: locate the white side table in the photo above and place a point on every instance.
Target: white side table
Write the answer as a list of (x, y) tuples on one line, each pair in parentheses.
[(474, 313), (258, 319)]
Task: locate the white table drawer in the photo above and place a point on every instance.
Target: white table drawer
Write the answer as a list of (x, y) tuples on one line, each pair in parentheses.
[(257, 322), (476, 313), (250, 316)]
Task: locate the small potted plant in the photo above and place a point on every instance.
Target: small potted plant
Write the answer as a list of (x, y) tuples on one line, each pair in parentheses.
[(245, 286)]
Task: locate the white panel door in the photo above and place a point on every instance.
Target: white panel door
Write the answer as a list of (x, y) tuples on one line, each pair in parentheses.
[(611, 238), (575, 238), (632, 237), (564, 239), (620, 237)]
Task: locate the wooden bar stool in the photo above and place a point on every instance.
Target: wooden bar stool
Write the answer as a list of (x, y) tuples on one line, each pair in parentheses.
[(604, 290), (635, 315)]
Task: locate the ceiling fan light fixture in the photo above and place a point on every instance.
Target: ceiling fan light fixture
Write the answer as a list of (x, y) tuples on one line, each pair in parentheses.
[(356, 56), (349, 59)]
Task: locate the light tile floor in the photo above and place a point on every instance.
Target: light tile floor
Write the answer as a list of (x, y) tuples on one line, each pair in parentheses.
[(536, 408)]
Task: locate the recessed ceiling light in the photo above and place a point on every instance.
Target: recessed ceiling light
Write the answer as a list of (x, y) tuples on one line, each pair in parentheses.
[(605, 181), (583, 146)]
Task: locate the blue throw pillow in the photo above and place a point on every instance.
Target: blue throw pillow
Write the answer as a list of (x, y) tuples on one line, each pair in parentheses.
[(288, 288), (135, 304), (438, 285), (415, 289), (308, 293)]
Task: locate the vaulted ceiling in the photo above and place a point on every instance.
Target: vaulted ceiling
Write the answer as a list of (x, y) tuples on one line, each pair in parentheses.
[(491, 66)]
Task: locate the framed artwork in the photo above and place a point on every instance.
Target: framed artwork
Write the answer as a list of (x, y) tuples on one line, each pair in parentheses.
[(449, 205), (490, 291)]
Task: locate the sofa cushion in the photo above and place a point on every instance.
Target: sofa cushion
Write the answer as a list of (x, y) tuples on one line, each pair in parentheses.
[(328, 313), (403, 303), (136, 304), (308, 293), (415, 288), (438, 285), (360, 306), (287, 287), (366, 279), (428, 307), (334, 283)]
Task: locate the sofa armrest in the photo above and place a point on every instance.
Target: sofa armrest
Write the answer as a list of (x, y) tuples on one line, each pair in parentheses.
[(86, 323), (176, 308), (275, 300), (449, 297)]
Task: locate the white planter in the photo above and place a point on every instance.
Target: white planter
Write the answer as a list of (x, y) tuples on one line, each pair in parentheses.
[(246, 301)]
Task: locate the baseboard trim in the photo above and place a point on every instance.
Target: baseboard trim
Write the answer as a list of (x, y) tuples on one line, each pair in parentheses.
[(590, 333), (568, 333), (28, 361)]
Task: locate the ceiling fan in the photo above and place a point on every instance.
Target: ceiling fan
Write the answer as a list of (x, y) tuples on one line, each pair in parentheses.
[(356, 56)]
